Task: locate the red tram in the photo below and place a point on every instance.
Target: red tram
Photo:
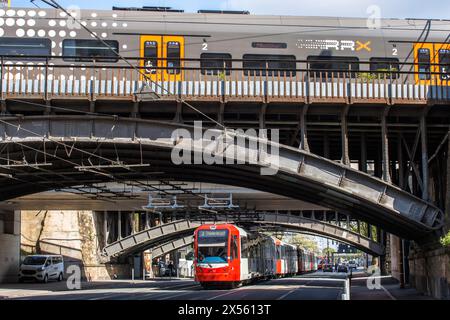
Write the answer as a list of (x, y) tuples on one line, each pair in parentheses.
[(227, 255)]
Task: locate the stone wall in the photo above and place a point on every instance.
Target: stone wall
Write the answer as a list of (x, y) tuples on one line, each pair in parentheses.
[(430, 272), (73, 234), (9, 246)]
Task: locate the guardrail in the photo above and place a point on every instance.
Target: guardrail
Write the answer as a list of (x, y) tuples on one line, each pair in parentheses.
[(47, 80)]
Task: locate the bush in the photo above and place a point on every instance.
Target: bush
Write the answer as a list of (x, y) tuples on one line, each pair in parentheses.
[(445, 241)]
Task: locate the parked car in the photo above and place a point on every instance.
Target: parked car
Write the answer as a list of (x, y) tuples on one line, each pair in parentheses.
[(352, 265), (42, 268), (342, 268), (327, 267)]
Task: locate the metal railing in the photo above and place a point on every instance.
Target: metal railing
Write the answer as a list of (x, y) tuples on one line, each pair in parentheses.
[(52, 77)]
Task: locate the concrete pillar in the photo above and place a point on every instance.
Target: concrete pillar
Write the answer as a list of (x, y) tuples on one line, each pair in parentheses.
[(9, 245), (105, 227), (326, 146)]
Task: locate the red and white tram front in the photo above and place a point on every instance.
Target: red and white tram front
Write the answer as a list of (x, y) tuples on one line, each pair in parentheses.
[(217, 254)]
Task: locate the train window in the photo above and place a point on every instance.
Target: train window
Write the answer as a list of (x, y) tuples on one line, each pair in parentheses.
[(90, 50), (423, 57), (244, 247), (234, 248), (25, 47), (173, 57), (330, 65), (390, 66), (257, 64), (151, 56), (269, 45), (215, 63), (444, 64)]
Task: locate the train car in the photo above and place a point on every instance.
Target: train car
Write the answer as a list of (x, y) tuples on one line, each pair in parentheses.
[(227, 255), (307, 261), (166, 44)]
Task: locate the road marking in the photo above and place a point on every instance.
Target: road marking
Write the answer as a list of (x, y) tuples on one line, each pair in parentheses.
[(224, 294), (388, 293)]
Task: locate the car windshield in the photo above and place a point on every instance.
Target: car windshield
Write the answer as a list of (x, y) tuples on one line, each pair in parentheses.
[(34, 261), (212, 246)]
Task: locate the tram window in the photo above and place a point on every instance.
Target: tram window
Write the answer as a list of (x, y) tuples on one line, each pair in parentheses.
[(234, 248), (244, 247), (215, 63), (257, 64), (390, 66), (444, 64), (90, 50), (173, 57), (330, 65), (423, 57), (150, 57), (25, 47)]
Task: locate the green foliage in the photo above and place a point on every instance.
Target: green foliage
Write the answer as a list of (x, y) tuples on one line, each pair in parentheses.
[(304, 242), (328, 251), (445, 241)]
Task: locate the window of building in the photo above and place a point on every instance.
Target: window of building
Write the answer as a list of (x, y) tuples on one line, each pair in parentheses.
[(269, 64), (173, 57), (390, 66), (90, 50), (215, 63), (25, 47), (444, 64), (423, 57), (333, 66)]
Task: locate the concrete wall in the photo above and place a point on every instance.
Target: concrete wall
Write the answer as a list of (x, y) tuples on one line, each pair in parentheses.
[(430, 272), (73, 234), (9, 246)]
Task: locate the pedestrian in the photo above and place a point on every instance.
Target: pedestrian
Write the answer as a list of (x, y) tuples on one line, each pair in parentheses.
[(171, 267)]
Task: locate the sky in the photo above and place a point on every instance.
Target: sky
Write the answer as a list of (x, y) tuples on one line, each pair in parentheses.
[(436, 9)]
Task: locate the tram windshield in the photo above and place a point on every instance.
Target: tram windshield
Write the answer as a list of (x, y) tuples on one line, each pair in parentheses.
[(212, 246)]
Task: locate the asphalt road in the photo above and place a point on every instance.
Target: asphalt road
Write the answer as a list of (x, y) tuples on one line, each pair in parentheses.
[(316, 286)]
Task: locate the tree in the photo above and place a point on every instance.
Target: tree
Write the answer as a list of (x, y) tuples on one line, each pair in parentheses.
[(304, 242), (328, 251)]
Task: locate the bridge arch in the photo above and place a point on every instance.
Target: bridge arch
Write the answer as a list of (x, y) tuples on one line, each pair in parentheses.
[(301, 175), (177, 234)]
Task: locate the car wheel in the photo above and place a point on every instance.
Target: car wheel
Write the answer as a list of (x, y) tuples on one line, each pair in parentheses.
[(45, 279), (60, 277)]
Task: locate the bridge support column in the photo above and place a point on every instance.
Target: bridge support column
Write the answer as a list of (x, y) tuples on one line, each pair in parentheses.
[(363, 157), (9, 245), (425, 176), (385, 147), (119, 225), (3, 107), (344, 136), (303, 135)]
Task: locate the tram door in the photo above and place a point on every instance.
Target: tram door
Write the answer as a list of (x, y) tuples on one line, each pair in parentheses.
[(164, 52), (432, 63)]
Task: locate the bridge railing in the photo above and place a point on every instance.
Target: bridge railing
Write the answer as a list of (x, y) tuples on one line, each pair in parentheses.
[(55, 78)]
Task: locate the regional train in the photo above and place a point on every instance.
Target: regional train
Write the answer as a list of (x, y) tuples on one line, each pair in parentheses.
[(228, 256), (165, 43)]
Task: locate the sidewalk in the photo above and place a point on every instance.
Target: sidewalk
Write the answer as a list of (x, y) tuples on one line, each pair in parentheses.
[(390, 290)]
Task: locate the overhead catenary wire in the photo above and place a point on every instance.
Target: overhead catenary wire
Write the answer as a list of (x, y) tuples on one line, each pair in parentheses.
[(148, 80)]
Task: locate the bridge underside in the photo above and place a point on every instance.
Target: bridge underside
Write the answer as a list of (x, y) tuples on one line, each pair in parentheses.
[(78, 151), (166, 238)]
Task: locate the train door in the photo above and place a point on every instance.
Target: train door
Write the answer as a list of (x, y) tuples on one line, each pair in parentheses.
[(162, 57), (432, 63)]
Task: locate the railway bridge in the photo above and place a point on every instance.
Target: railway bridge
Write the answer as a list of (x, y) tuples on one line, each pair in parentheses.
[(373, 150)]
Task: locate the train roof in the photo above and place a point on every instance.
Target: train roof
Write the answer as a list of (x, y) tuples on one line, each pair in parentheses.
[(178, 16)]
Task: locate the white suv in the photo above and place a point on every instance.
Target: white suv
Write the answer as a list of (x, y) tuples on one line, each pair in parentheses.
[(42, 268)]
